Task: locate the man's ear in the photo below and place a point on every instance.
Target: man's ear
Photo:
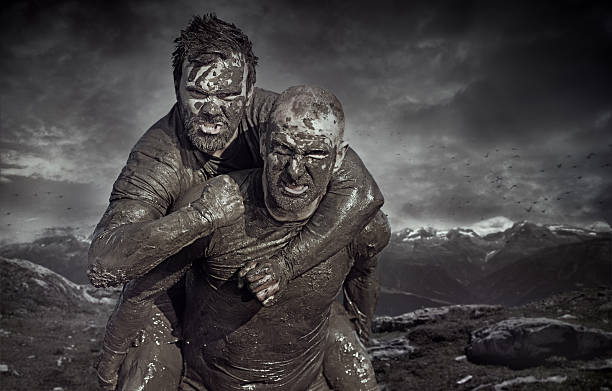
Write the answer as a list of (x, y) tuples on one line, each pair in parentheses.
[(340, 153), (250, 95)]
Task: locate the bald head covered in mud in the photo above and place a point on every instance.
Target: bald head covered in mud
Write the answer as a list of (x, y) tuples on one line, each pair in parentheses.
[(232, 342), (302, 149)]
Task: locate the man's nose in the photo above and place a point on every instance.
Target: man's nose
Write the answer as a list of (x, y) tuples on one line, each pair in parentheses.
[(295, 168), (211, 107)]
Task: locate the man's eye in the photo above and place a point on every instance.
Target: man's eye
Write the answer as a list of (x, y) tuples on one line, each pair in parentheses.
[(282, 151), (197, 94), (227, 95)]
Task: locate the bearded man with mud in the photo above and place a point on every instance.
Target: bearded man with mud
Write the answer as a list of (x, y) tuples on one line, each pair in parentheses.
[(304, 341), (214, 128)]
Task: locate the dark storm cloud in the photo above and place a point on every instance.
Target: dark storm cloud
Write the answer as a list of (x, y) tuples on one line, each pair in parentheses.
[(426, 86), (72, 81), (28, 204)]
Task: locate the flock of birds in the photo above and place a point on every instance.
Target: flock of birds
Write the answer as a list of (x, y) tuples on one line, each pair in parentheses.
[(36, 194), (504, 181)]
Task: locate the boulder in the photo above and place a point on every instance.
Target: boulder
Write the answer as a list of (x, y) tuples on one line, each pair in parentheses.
[(381, 349), (412, 319), (525, 342)]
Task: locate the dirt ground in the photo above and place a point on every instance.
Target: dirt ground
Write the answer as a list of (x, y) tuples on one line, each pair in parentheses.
[(47, 349)]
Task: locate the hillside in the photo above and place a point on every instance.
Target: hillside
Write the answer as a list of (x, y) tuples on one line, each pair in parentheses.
[(50, 328), (64, 253), (51, 333)]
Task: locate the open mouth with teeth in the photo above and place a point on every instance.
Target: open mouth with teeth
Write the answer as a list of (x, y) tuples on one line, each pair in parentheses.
[(295, 189), (214, 128)]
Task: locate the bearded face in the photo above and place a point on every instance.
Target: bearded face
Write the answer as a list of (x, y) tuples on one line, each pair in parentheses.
[(213, 97)]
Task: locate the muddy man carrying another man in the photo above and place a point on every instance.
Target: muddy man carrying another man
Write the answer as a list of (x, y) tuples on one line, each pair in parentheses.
[(231, 279)]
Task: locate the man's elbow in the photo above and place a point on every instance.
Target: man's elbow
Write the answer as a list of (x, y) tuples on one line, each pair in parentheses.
[(377, 199), (371, 199), (104, 269)]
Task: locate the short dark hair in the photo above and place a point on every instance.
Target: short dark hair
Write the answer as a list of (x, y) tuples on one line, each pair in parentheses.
[(208, 34)]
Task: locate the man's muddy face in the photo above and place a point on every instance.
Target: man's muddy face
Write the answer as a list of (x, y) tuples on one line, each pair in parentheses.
[(297, 169), (213, 97)]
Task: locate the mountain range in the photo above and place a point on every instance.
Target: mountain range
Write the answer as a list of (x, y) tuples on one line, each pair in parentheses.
[(429, 267), (426, 267)]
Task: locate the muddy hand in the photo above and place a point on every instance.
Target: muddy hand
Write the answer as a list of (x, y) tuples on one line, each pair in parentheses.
[(221, 202), (264, 279), (108, 369)]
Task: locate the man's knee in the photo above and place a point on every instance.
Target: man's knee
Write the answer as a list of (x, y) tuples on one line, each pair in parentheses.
[(151, 367)]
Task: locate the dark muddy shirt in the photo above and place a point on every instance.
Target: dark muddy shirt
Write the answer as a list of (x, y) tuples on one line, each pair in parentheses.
[(231, 342)]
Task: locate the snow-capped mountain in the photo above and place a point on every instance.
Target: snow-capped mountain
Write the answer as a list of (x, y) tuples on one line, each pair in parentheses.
[(451, 265)]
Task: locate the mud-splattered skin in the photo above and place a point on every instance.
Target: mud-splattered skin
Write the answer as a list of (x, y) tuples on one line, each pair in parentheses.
[(213, 96), (302, 151), (297, 169)]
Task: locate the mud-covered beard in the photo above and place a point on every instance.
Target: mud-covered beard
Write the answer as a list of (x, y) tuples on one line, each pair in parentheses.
[(208, 143)]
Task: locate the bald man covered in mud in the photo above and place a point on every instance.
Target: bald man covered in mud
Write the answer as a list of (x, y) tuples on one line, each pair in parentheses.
[(304, 341)]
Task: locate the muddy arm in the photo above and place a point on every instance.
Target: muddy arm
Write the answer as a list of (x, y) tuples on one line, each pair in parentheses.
[(134, 309), (361, 288), (352, 199), (132, 238)]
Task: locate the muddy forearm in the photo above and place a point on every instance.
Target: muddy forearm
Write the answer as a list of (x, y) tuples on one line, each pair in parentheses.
[(352, 199), (361, 291), (138, 297), (123, 252), (361, 288)]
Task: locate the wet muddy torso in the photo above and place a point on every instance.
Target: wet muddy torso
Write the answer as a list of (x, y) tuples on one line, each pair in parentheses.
[(231, 342)]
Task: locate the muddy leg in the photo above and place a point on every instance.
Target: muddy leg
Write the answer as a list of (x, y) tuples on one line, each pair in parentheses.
[(347, 365)]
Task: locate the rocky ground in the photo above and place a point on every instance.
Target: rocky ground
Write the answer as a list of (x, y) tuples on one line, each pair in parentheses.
[(436, 358), (51, 332)]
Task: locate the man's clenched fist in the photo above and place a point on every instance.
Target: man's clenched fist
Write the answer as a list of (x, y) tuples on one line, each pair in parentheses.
[(221, 202), (265, 279)]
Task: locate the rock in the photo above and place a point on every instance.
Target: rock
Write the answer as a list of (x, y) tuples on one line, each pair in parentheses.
[(605, 365), (520, 381), (384, 349), (3, 368), (525, 342), (409, 320)]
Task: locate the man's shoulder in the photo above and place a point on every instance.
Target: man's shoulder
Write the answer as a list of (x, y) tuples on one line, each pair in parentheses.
[(261, 106), (248, 181), (161, 137)]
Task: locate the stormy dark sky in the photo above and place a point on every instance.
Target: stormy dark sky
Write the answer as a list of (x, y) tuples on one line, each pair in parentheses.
[(463, 111)]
